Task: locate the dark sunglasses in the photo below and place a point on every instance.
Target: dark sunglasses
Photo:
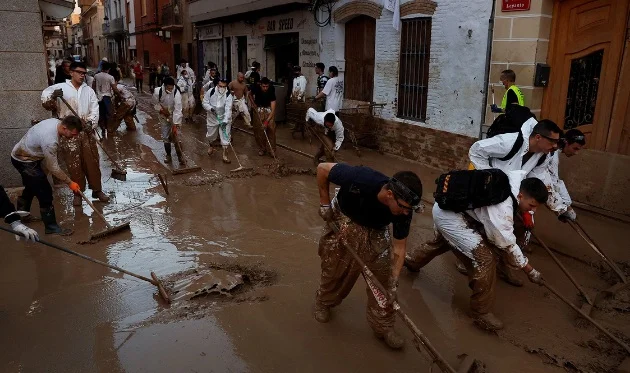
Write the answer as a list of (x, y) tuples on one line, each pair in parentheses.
[(553, 141)]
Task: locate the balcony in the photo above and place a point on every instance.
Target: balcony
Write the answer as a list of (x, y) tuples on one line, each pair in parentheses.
[(115, 26), (172, 16)]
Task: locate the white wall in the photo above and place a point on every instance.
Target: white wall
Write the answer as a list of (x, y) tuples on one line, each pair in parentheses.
[(456, 70), (132, 25)]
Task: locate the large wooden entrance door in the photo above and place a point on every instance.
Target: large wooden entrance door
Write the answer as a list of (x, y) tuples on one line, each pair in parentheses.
[(360, 52), (585, 55)]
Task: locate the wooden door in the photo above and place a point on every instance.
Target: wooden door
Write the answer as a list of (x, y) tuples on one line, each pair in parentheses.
[(360, 52), (585, 55)]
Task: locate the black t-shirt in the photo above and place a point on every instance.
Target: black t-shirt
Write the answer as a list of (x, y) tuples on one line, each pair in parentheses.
[(253, 79), (263, 99), (357, 197), (511, 97), (61, 76)]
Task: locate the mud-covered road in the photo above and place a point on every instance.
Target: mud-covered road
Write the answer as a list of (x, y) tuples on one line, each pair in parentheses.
[(59, 313)]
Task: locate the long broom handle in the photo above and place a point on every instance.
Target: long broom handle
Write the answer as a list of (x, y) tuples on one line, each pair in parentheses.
[(251, 102), (277, 144), (578, 228), (312, 131), (102, 148), (54, 246), (410, 324), (587, 317), (94, 209), (563, 268)]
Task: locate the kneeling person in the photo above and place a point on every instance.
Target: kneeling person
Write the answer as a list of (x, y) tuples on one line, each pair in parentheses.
[(36, 150), (366, 204), (333, 131)]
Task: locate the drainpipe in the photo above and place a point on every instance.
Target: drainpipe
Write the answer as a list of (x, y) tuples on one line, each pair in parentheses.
[(486, 78)]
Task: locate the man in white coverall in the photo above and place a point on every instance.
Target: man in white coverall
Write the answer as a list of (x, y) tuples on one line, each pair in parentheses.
[(218, 105), (167, 100), (333, 131)]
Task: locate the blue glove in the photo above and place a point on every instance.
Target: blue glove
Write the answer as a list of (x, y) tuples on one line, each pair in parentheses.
[(495, 109)]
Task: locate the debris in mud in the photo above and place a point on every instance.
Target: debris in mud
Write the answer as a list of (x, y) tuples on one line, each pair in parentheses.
[(197, 180), (282, 170), (207, 282), (554, 360)]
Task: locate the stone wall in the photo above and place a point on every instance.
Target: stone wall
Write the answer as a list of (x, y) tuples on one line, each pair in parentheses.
[(22, 77)]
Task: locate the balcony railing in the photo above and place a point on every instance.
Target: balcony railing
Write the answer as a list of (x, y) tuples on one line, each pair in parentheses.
[(172, 16), (115, 26), (105, 28)]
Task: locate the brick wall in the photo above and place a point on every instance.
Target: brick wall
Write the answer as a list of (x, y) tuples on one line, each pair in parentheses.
[(354, 8), (418, 7)]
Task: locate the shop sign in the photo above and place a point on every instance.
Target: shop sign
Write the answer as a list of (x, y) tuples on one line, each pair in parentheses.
[(515, 5), (210, 32)]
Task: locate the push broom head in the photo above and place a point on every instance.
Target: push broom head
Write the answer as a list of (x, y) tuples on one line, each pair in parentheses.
[(112, 230), (186, 170), (120, 175)]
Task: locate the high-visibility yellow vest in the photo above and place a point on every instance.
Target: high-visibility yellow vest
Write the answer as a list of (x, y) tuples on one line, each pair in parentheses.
[(519, 95)]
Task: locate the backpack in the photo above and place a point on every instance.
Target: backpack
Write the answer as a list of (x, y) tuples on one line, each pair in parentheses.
[(463, 190), (511, 122), (160, 93)]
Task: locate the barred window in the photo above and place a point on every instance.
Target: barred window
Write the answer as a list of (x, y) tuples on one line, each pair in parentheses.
[(415, 45)]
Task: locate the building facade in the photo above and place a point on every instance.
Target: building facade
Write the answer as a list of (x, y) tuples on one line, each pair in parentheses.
[(115, 29), (92, 21)]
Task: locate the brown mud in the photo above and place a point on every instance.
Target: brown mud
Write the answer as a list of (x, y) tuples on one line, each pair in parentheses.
[(62, 313)]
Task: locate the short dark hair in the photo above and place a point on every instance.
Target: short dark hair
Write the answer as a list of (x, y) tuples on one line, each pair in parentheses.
[(183, 61), (168, 81), (105, 66), (76, 64), (575, 136), (333, 70), (546, 127), (297, 68), (509, 75), (265, 80), (410, 180), (115, 74), (320, 66), (256, 64), (535, 188), (66, 61), (72, 122), (330, 118)]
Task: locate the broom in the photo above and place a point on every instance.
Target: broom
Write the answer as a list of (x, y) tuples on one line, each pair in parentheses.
[(110, 228)]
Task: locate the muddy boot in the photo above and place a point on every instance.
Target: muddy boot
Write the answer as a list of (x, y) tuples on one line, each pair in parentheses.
[(225, 157), (167, 148), (211, 150), (261, 153), (24, 205), (100, 196), (488, 321), (50, 222), (322, 313), (392, 339), (77, 200), (410, 265), (508, 276)]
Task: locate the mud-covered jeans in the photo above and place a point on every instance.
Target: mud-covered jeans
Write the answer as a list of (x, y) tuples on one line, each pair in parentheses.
[(261, 115), (35, 182), (124, 112), (340, 271), (82, 160)]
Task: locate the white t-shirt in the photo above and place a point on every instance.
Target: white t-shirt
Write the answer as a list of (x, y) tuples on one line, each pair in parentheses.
[(40, 144), (103, 86), (334, 93)]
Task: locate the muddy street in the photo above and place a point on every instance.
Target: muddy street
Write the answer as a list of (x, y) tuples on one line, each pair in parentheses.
[(258, 231)]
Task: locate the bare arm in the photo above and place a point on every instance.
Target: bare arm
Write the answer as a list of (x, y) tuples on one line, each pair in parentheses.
[(323, 185), (398, 257), (273, 110), (320, 95)]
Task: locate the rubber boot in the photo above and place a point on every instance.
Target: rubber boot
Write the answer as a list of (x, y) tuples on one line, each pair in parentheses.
[(50, 222), (488, 321), (225, 157), (392, 339), (461, 268), (100, 196), (180, 155), (24, 205), (167, 148), (322, 313)]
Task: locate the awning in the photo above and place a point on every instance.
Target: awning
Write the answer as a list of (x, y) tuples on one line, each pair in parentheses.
[(206, 10)]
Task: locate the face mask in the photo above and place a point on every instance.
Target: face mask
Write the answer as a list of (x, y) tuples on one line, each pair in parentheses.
[(222, 90), (169, 92)]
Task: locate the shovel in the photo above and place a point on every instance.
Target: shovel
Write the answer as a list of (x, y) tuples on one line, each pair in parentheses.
[(117, 172), (155, 281), (378, 290)]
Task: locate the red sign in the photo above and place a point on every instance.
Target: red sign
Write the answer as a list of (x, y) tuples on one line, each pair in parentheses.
[(515, 5)]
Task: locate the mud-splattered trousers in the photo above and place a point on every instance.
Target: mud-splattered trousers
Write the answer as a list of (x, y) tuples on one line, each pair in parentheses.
[(82, 160), (264, 114), (124, 112), (340, 271), (35, 182), (239, 107)]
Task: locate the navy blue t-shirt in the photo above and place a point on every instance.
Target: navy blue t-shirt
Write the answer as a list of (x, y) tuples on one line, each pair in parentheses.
[(357, 197)]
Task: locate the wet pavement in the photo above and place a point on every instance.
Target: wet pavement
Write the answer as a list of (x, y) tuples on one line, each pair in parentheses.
[(60, 313)]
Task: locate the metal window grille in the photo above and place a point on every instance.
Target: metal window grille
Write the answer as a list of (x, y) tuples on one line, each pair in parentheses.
[(582, 91), (415, 46)]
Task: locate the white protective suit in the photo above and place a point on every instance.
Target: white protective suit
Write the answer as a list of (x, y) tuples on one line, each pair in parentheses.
[(82, 100), (188, 99), (219, 115), (498, 225), (299, 87), (318, 117), (559, 199), (173, 103), (485, 154), (191, 73)]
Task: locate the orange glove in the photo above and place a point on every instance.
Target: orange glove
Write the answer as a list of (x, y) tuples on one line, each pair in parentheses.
[(74, 187), (528, 220), (266, 123), (174, 130)]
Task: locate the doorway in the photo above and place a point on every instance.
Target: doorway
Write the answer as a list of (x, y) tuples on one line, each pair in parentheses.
[(282, 50), (228, 58), (241, 51), (177, 53), (360, 53), (586, 61)]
